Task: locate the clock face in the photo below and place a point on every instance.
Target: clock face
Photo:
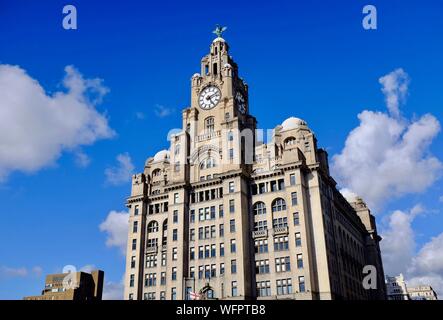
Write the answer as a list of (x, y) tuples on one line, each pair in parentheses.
[(209, 97), (241, 102)]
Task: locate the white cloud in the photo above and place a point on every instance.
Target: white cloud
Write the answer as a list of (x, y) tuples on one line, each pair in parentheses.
[(82, 160), (122, 172), (116, 227), (21, 272), (36, 127), (398, 244), (113, 290), (395, 88), (387, 157), (398, 249), (162, 111), (348, 195)]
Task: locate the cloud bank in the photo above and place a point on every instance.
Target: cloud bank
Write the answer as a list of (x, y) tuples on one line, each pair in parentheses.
[(37, 127)]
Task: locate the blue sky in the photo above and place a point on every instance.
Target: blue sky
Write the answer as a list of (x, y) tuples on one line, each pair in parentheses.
[(309, 59)]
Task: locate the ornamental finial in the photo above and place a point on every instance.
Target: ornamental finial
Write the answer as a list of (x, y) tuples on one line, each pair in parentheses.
[(219, 30)]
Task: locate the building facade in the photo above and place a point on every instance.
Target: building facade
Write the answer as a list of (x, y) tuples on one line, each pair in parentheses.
[(423, 292), (80, 286), (396, 288), (224, 215)]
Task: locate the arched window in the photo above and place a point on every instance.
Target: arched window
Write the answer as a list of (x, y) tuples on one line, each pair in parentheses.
[(153, 226), (156, 172), (278, 205), (290, 141), (209, 124), (259, 208)]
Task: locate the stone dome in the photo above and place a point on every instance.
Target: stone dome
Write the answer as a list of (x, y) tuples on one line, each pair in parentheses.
[(292, 123), (218, 39), (161, 156)]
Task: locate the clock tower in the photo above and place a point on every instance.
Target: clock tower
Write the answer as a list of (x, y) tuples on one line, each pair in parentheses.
[(221, 131)]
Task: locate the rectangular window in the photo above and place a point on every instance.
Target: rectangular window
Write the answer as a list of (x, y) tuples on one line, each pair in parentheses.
[(301, 284), (292, 179), (200, 233), (284, 286), (192, 216), (163, 278), (262, 266), (280, 222), (212, 212), (150, 279), (222, 249), (233, 246), (201, 214), (264, 288), (233, 266), (136, 211), (294, 198), (298, 239), (296, 219), (151, 261), (299, 261), (200, 271), (222, 268), (131, 296), (221, 230), (175, 216), (231, 154), (192, 234), (234, 291), (207, 214), (282, 264), (164, 259), (232, 225), (213, 232), (192, 272), (281, 243), (213, 271), (135, 227), (201, 252), (231, 186), (261, 246), (213, 250), (220, 211), (207, 251), (173, 293), (132, 262), (192, 253), (175, 197), (162, 295), (207, 272), (174, 274), (174, 253), (231, 206), (207, 230), (134, 244), (174, 235)]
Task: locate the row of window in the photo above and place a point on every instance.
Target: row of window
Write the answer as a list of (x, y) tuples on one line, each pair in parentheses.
[(278, 204), (280, 243), (210, 251), (209, 232), (282, 264), (284, 287)]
